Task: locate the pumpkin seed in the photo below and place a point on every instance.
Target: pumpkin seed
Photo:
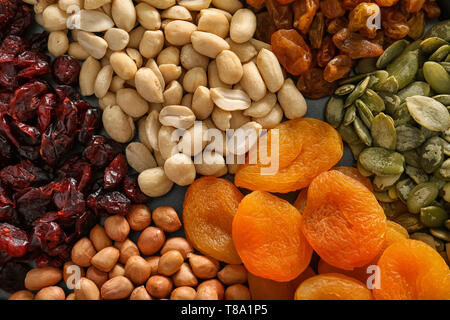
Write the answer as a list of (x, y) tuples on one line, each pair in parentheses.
[(440, 233), (349, 115), (428, 133), (402, 115), (425, 238), (421, 196), (404, 68), (358, 92), (373, 101), (443, 98), (446, 135), (447, 148), (356, 149), (362, 170), (334, 111), (430, 45), (388, 85), (410, 222), (420, 76), (382, 162), (353, 79), (408, 137), (440, 54), (440, 30), (348, 134), (393, 209), (416, 174), (429, 113), (383, 132), (445, 65), (432, 154), (345, 89), (362, 132), (415, 45), (404, 188), (417, 88), (444, 170), (447, 59), (433, 216), (383, 182), (439, 182), (412, 158), (366, 65), (437, 77), (364, 112), (377, 77), (383, 197), (391, 53), (391, 101)]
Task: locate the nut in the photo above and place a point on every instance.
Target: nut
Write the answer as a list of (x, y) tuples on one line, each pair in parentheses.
[(169, 55), (166, 218), (137, 269), (58, 43), (159, 286), (170, 262), (93, 4), (82, 252), (88, 290), (270, 70), (191, 59), (148, 16), (88, 74), (117, 83), (238, 119), (76, 51), (22, 295), (140, 293), (229, 67), (96, 276), (151, 240), (139, 217), (123, 14), (180, 117), (127, 249), (203, 267), (50, 293), (108, 100), (161, 4), (71, 273), (131, 102), (232, 274), (291, 100), (149, 86), (245, 51), (214, 22), (106, 259), (118, 270), (152, 43), (119, 126), (221, 118), (103, 81), (228, 5), (117, 228), (242, 26), (178, 243), (184, 277), (173, 93), (136, 37), (194, 78), (210, 164), (117, 39), (168, 141), (213, 77), (272, 119), (153, 261), (237, 292), (208, 44), (195, 5), (252, 82), (139, 157), (117, 288), (136, 57), (180, 169), (194, 139), (178, 32), (177, 13), (99, 238), (262, 107), (230, 99), (213, 284), (92, 44), (91, 21), (183, 293), (123, 65), (39, 278), (54, 18), (202, 104), (170, 72)]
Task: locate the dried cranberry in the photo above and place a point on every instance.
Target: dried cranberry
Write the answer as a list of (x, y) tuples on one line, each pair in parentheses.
[(55, 143), (22, 105), (6, 204), (131, 189), (80, 170), (32, 203), (5, 99), (23, 175), (25, 133), (67, 114), (30, 58), (8, 9), (45, 111), (115, 172), (100, 151), (21, 21), (39, 41), (13, 240), (12, 276), (113, 202), (85, 223), (14, 44), (63, 91), (5, 129), (90, 123), (48, 235), (66, 70), (6, 151), (67, 199), (8, 76), (29, 152)]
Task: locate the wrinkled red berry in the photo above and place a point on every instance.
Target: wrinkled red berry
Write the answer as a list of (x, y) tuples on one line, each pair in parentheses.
[(90, 123), (26, 99), (131, 189), (66, 70), (115, 172), (14, 44), (13, 240), (100, 151), (45, 111), (12, 276), (113, 202), (21, 21), (38, 41), (23, 175), (55, 143)]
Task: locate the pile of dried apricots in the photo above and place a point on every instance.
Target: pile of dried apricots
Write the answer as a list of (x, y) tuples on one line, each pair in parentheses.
[(336, 216)]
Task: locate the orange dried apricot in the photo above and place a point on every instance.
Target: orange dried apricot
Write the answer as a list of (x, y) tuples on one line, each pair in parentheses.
[(343, 220), (265, 289), (208, 210), (394, 233), (358, 273), (332, 286), (300, 202), (268, 237), (321, 148), (412, 270), (355, 174)]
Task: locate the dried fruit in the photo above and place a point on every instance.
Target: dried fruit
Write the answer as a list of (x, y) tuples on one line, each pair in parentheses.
[(280, 14), (313, 85), (339, 67), (355, 45), (66, 70), (304, 12)]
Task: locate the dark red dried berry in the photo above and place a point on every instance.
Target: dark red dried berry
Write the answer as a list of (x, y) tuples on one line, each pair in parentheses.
[(115, 172), (23, 175), (21, 21), (6, 151), (5, 99), (55, 143), (13, 240), (14, 44), (100, 151), (32, 203), (6, 204), (8, 76), (5, 129), (113, 202), (89, 124), (45, 111), (66, 70), (67, 114), (30, 58), (38, 41), (67, 199), (12, 276), (131, 189), (25, 133), (48, 235), (8, 9), (26, 99)]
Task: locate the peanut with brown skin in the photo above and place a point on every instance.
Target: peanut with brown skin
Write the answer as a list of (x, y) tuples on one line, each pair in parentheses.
[(170, 262), (166, 218), (99, 238), (117, 270), (159, 286), (154, 262), (203, 267), (117, 228), (22, 295), (82, 252), (214, 284), (50, 293), (127, 250), (137, 269), (106, 259), (237, 292), (117, 288), (183, 293), (96, 276), (139, 217), (140, 293), (180, 244), (184, 277), (151, 240), (87, 290)]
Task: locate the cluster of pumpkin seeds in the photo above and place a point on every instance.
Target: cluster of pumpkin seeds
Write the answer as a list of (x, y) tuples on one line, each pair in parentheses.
[(394, 115)]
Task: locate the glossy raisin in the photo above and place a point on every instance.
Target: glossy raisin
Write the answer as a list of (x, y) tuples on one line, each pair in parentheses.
[(339, 67), (332, 8), (304, 12), (280, 14), (355, 45), (326, 52), (313, 85)]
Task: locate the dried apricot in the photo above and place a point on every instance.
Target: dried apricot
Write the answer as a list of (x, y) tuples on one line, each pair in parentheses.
[(267, 236), (394, 233), (355, 174), (412, 270), (265, 289), (321, 148), (300, 202), (332, 286), (343, 221), (304, 13), (360, 273), (208, 210)]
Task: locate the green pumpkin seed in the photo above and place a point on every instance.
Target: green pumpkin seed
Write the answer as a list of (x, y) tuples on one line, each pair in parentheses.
[(344, 90), (391, 53), (437, 77), (408, 137), (446, 135), (373, 101), (366, 65), (364, 112), (416, 174), (383, 197), (447, 148), (383, 182), (404, 68), (362, 170), (356, 149), (430, 45), (412, 158), (391, 101), (440, 30), (417, 88), (358, 92), (440, 233), (432, 154), (425, 238), (428, 133), (445, 65), (402, 115), (383, 132), (377, 77), (444, 170), (389, 85), (443, 98), (420, 76), (382, 162), (439, 182), (349, 115), (447, 59), (362, 132), (410, 222), (429, 113), (404, 188), (353, 79), (334, 111), (433, 216), (348, 134), (440, 54), (421, 196)]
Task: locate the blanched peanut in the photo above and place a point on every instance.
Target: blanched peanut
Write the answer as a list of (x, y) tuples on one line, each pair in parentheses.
[(173, 93), (152, 127), (229, 67), (215, 285), (194, 78), (92, 44), (167, 142), (50, 293), (87, 290), (139, 217), (178, 243), (221, 118), (136, 37), (88, 74), (96, 276), (118, 270), (94, 4), (238, 119), (154, 262), (159, 286), (54, 18), (272, 119), (128, 249), (195, 5), (76, 51), (131, 102), (183, 293), (161, 4), (191, 59), (108, 100), (213, 77), (117, 39), (136, 57), (82, 252), (152, 43), (187, 100), (242, 26), (170, 262), (106, 259), (211, 9), (148, 16), (232, 274), (252, 82), (151, 240), (230, 99), (203, 267), (137, 270), (262, 107), (214, 22), (177, 13), (39, 278), (140, 293), (117, 228), (123, 14), (58, 43), (177, 116), (260, 45), (117, 83), (202, 104), (270, 70), (208, 44), (117, 288), (149, 86), (169, 55), (123, 65), (65, 4), (228, 5), (118, 125), (291, 100), (166, 218), (103, 81), (210, 164), (22, 295), (170, 72), (245, 51), (184, 277), (180, 169), (237, 292), (178, 32), (139, 157), (91, 21), (99, 238)]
